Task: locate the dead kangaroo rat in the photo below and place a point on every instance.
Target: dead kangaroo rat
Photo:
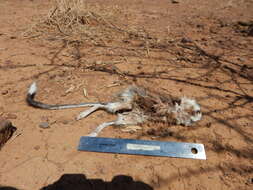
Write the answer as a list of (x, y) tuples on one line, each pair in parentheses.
[(134, 106)]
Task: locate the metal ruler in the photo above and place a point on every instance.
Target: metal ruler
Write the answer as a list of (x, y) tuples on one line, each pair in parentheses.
[(142, 147)]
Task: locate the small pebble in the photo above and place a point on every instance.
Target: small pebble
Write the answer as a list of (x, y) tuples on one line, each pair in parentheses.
[(44, 125), (4, 92), (186, 40), (174, 1), (36, 147)]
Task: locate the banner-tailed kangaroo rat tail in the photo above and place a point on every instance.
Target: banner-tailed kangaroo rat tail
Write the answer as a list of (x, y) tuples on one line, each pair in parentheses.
[(30, 100)]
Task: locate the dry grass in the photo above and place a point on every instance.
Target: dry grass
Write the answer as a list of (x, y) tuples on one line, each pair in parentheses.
[(75, 20), (90, 24), (81, 26)]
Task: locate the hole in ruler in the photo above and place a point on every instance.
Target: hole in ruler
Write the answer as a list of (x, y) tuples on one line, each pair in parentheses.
[(194, 151)]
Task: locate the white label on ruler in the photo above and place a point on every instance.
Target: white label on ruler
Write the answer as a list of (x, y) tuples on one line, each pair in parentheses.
[(142, 147)]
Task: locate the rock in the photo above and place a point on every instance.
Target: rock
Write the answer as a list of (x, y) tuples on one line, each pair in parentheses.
[(250, 31), (4, 92), (6, 131), (174, 1), (209, 124), (44, 125), (36, 147), (186, 40)]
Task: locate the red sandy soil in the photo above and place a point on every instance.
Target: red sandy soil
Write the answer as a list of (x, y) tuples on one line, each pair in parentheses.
[(218, 74)]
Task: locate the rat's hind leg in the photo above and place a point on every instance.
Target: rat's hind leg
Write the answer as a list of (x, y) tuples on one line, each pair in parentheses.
[(124, 119), (111, 107), (100, 128), (89, 111)]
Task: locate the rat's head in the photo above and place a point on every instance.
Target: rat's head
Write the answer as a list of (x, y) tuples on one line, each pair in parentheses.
[(186, 111)]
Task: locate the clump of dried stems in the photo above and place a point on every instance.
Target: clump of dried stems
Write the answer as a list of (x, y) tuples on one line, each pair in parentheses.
[(76, 20), (81, 22)]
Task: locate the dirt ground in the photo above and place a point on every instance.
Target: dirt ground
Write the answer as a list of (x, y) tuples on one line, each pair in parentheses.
[(200, 49)]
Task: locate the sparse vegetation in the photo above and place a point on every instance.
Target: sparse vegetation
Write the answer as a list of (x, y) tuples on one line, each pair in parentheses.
[(74, 20)]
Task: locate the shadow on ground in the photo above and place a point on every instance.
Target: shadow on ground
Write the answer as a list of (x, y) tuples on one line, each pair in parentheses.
[(80, 182), (7, 188)]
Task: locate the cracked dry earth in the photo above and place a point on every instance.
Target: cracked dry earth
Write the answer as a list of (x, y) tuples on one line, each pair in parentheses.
[(206, 56)]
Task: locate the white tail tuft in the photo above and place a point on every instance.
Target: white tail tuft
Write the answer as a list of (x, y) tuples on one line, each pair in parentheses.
[(33, 88)]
